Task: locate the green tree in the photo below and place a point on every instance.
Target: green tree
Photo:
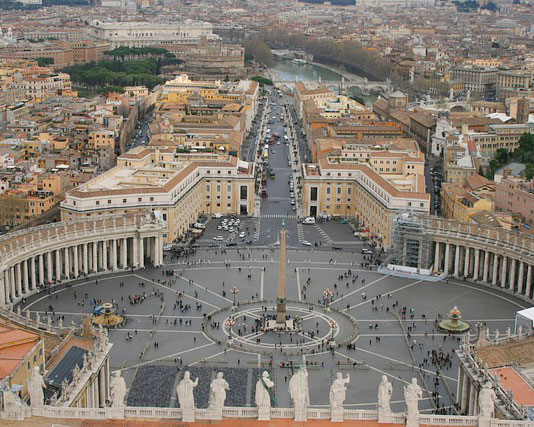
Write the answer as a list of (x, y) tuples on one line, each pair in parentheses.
[(259, 50), (43, 62), (524, 153)]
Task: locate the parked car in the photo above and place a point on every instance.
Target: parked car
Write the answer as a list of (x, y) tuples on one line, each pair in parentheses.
[(309, 220)]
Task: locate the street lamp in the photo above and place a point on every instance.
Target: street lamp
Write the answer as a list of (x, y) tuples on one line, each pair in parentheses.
[(230, 322), (234, 290), (327, 293)]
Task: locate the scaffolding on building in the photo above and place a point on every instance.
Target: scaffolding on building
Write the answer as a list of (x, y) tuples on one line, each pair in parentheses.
[(412, 243)]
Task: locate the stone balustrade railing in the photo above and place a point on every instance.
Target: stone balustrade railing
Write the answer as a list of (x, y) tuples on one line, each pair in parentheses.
[(133, 412), (19, 242)]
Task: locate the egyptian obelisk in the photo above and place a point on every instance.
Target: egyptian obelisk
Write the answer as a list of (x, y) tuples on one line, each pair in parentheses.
[(281, 294)]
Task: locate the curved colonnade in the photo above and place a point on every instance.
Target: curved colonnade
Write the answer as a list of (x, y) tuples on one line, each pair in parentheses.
[(39, 257), (483, 254)]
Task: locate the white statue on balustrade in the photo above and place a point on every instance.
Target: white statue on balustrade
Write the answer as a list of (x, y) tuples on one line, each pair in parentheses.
[(338, 391), (299, 391), (186, 397), (118, 390), (412, 394), (35, 388), (12, 405), (263, 398), (486, 401), (385, 390), (218, 388)]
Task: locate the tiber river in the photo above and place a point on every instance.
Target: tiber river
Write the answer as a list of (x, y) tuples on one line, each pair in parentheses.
[(286, 69)]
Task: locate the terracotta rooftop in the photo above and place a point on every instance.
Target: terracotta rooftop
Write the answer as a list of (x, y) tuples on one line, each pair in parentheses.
[(511, 380), (14, 346), (521, 352)]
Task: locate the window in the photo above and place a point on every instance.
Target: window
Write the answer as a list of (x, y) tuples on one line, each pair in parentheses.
[(152, 199), (97, 202), (327, 190), (123, 200), (243, 192), (139, 199), (228, 188), (338, 190)]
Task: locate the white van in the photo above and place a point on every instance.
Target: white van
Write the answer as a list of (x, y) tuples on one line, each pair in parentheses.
[(309, 220)]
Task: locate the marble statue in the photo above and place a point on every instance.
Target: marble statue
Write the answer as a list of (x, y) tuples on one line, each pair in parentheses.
[(299, 391), (508, 332), (496, 334), (186, 397), (11, 402), (53, 400), (385, 390), (60, 323), (37, 317), (263, 398), (486, 401), (218, 388), (118, 390), (18, 310), (27, 315), (468, 95), (520, 330), (338, 391), (412, 394), (35, 388), (48, 322), (451, 94)]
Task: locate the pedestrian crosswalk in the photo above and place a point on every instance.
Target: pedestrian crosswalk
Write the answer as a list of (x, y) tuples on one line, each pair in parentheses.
[(278, 216), (300, 232), (323, 234), (257, 222)]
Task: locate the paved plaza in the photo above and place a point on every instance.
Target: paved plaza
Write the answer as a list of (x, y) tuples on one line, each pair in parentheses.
[(165, 339)]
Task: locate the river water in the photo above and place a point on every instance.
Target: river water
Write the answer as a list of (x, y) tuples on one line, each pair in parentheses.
[(288, 70)]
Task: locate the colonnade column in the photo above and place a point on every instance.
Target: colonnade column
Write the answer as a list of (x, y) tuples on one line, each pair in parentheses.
[(85, 257), (18, 279), (436, 257), (466, 261), (135, 249), (141, 253), (457, 260), (486, 266), (447, 257), (114, 254), (33, 276), (476, 267), (24, 277), (3, 292), (49, 266), (504, 266), (76, 259), (95, 257), (511, 279), (41, 269), (67, 262), (13, 282), (529, 281), (124, 253), (104, 255), (520, 276), (495, 268), (58, 265)]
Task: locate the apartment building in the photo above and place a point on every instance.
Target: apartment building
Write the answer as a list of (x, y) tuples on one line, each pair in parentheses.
[(516, 195), (499, 136), (513, 83), (480, 82), (179, 186), (460, 201), (142, 33), (372, 187)]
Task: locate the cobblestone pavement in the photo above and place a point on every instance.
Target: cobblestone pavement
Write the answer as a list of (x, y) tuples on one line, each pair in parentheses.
[(168, 337)]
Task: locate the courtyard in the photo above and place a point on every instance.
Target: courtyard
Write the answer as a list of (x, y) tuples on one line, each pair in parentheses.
[(177, 320)]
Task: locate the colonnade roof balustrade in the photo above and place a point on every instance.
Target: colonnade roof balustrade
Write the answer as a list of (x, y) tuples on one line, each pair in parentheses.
[(22, 241), (514, 242)]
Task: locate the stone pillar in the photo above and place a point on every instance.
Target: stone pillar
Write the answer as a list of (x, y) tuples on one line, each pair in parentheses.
[(466, 261), (529, 281), (436, 257), (13, 283), (104, 255), (2, 289), (18, 279), (124, 253), (95, 257), (503, 271), (520, 277), (135, 249), (457, 260), (41, 269), (85, 257), (447, 257), (67, 262), (114, 254), (58, 265), (25, 277), (102, 388), (511, 279), (141, 253), (33, 276), (486, 267), (76, 259), (476, 267), (495, 269), (49, 266)]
